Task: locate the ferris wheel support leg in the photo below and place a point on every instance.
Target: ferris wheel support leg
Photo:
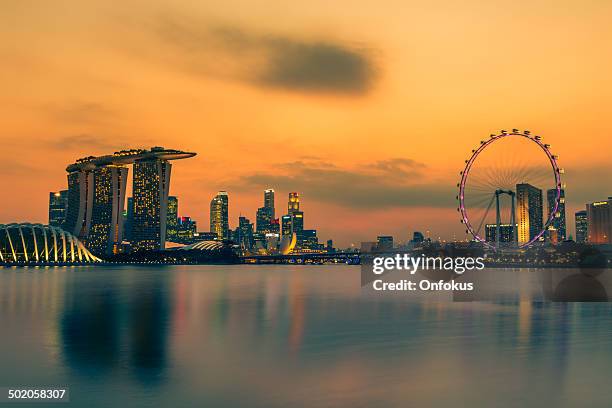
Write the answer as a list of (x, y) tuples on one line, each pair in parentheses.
[(498, 221), (513, 221)]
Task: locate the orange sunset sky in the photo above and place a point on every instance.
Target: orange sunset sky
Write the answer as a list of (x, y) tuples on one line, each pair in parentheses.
[(367, 108)]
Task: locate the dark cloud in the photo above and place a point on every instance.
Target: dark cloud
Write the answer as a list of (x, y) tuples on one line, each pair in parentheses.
[(375, 186), (269, 60), (317, 67)]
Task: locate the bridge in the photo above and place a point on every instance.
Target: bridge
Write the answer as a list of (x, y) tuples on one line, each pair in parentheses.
[(350, 258)]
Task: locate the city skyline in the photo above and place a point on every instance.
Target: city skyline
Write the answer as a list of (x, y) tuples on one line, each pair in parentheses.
[(371, 125)]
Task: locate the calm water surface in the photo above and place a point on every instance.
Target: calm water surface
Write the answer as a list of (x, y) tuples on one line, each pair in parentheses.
[(290, 336)]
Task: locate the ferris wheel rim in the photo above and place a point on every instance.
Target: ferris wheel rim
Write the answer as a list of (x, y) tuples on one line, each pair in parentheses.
[(466, 171)]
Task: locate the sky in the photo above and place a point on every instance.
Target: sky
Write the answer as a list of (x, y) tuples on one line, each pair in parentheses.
[(368, 109)]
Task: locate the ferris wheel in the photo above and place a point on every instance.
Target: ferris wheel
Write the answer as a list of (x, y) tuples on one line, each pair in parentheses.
[(510, 190)]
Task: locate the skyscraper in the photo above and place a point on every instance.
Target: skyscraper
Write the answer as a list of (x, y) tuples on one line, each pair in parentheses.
[(150, 192), (172, 218), (297, 221), (185, 230), (219, 223), (269, 200), (264, 218), (129, 220), (244, 233), (106, 225), (295, 217), (286, 225), (599, 218), (559, 222), (294, 203), (80, 197), (58, 203), (310, 240), (582, 225), (529, 212), (506, 232), (385, 242), (96, 198)]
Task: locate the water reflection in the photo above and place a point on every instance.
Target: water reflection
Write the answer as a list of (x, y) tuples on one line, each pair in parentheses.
[(90, 329), (283, 336)]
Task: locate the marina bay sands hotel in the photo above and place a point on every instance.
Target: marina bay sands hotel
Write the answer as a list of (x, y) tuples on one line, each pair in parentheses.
[(96, 198)]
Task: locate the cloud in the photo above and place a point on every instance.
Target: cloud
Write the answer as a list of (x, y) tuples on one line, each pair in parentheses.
[(17, 166), (81, 112), (584, 184), (269, 60), (380, 185), (85, 142)]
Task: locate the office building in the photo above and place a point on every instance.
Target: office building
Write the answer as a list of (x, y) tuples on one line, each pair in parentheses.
[(558, 223), (269, 200), (244, 233), (58, 204), (384, 243), (264, 219), (219, 219), (529, 212), (297, 221), (286, 225), (294, 203), (417, 237), (506, 232), (310, 240), (599, 219), (186, 230), (172, 219), (582, 226)]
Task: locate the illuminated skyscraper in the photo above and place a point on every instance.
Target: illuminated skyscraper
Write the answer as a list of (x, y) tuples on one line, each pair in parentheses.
[(558, 223), (186, 230), (96, 197), (106, 226), (264, 218), (310, 240), (150, 193), (269, 200), (286, 227), (599, 218), (172, 219), (80, 197), (294, 203), (506, 232), (297, 221), (129, 220), (58, 203), (294, 218), (529, 212), (219, 207), (582, 226)]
